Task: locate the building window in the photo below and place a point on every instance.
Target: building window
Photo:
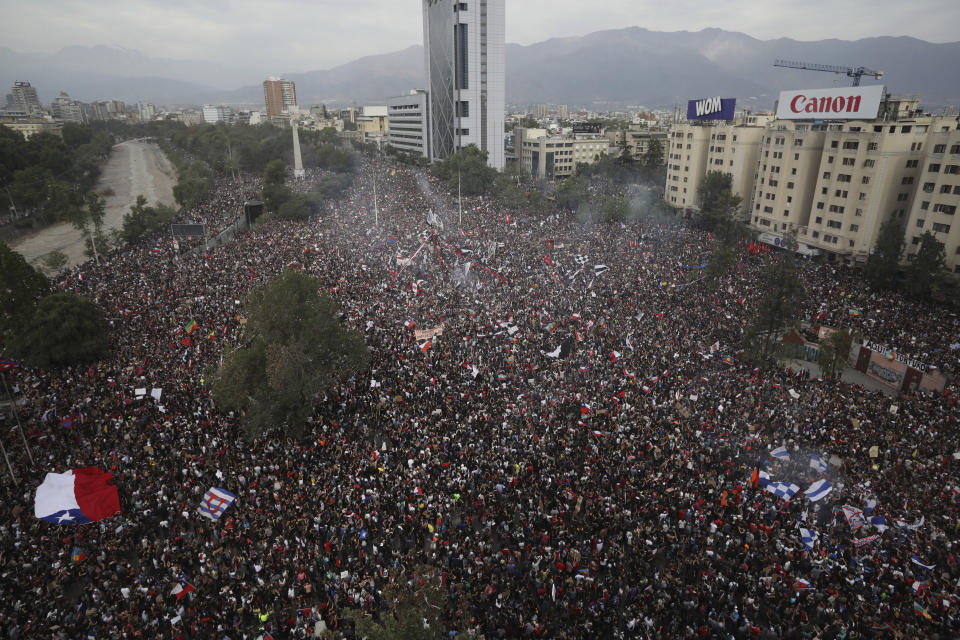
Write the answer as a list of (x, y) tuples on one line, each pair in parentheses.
[(939, 148), (924, 205), (902, 197), (826, 175), (819, 219), (865, 180), (933, 167), (854, 228), (945, 209), (911, 164), (835, 144), (920, 222), (461, 46), (906, 129), (816, 234), (829, 159), (872, 146), (851, 145), (941, 228), (819, 205), (834, 224), (858, 213)]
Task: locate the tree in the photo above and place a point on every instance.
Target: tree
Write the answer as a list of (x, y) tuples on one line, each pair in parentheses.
[(925, 274), (834, 351), (144, 220), (275, 192), (779, 308), (719, 206), (54, 261), (884, 263), (194, 182), (65, 330), (21, 288), (469, 167), (615, 209), (653, 157), (275, 173), (300, 206), (572, 192), (297, 349)]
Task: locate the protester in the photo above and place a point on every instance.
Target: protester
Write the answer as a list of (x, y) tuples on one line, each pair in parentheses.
[(567, 459)]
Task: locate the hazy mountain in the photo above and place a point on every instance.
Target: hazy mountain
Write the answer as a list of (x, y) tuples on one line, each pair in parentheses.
[(624, 66)]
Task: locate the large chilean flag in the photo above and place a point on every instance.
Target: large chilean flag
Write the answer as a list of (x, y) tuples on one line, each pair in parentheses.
[(79, 496)]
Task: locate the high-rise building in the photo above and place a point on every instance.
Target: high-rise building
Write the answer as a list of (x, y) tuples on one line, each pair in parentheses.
[(279, 95), (66, 109), (25, 98), (539, 111), (213, 113), (407, 125), (146, 111), (464, 60)]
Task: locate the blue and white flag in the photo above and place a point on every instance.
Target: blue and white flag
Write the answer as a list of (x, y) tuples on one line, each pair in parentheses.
[(783, 489), (915, 560), (818, 463), (818, 490), (780, 453), (215, 502), (879, 522), (763, 478), (809, 538), (869, 505)]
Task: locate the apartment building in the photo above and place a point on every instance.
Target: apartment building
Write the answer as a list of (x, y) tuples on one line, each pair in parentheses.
[(546, 156), (637, 139), (937, 198), (686, 163), (279, 96)]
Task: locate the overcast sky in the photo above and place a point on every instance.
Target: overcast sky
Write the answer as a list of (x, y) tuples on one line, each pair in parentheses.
[(290, 36)]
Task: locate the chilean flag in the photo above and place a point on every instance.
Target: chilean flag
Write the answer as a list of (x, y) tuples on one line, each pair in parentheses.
[(79, 496)]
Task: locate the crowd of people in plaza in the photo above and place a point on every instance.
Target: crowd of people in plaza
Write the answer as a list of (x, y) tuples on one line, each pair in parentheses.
[(557, 437)]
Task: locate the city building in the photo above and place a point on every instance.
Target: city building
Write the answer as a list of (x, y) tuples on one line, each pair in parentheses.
[(408, 129), (65, 109), (637, 139), (556, 156), (30, 125), (279, 95), (464, 63), (25, 98), (562, 113), (213, 113), (146, 111), (831, 168), (539, 111), (935, 204), (372, 123)]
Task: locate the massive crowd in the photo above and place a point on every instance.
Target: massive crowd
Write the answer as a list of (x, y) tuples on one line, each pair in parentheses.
[(567, 459)]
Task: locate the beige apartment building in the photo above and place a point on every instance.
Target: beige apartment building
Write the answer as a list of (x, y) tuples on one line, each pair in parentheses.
[(695, 148), (637, 140), (551, 156), (935, 203)]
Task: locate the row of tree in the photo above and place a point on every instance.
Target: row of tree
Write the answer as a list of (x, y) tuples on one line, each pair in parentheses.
[(38, 174)]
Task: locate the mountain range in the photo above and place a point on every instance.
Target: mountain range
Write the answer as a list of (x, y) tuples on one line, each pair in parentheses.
[(601, 70)]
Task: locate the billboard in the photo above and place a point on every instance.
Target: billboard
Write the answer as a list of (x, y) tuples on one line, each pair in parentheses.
[(187, 230), (838, 103), (587, 127), (711, 109)]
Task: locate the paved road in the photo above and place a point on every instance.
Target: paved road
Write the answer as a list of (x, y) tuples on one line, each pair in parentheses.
[(134, 168)]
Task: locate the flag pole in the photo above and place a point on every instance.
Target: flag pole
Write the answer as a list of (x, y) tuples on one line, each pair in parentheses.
[(16, 415), (4, 449), (459, 198)]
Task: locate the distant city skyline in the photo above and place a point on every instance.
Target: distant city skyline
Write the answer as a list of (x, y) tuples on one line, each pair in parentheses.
[(306, 35)]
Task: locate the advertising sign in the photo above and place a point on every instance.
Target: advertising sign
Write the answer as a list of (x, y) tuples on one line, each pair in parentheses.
[(711, 109), (587, 127), (838, 103), (188, 230)]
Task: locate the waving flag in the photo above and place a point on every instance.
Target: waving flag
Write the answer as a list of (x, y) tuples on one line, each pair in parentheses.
[(878, 522), (818, 463), (818, 490), (783, 490), (409, 324), (215, 502), (77, 555), (182, 587), (916, 560), (862, 542), (190, 328), (802, 585), (7, 365), (67, 422), (809, 538), (79, 496), (780, 453), (854, 517)]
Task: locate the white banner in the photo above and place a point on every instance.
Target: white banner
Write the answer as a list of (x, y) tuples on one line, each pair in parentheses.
[(839, 103)]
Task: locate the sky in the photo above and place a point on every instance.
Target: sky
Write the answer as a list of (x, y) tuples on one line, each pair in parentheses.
[(290, 36)]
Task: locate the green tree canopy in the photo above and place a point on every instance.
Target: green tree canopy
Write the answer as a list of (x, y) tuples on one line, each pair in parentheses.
[(469, 166), (144, 220), (653, 156), (21, 288), (65, 330), (927, 270), (194, 181), (834, 350), (884, 262), (779, 308), (300, 206), (615, 209), (719, 206), (296, 349), (572, 193)]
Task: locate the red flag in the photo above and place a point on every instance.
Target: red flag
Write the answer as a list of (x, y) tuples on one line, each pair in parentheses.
[(547, 259), (185, 342)]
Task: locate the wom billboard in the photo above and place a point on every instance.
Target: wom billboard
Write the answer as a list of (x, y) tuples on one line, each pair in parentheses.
[(711, 109), (840, 103)]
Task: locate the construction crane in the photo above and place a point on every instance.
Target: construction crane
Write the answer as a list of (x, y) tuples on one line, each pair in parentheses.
[(853, 72)]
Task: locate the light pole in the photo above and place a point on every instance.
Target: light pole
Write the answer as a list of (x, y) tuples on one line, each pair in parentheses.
[(16, 415)]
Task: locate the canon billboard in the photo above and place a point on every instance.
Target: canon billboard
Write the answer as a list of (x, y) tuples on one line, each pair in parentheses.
[(841, 103), (711, 109)]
